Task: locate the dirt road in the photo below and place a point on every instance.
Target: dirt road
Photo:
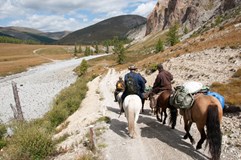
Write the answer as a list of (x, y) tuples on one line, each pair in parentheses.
[(155, 141)]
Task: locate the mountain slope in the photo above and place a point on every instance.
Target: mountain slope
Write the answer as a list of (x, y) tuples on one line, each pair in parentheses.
[(189, 14), (24, 33), (104, 30)]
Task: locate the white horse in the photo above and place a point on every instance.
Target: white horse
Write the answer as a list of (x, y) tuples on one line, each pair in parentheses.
[(132, 107)]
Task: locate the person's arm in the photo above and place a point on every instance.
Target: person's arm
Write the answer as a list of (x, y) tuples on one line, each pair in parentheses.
[(142, 83), (157, 81)]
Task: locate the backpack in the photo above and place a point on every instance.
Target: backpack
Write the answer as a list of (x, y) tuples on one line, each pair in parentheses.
[(181, 98), (131, 86)]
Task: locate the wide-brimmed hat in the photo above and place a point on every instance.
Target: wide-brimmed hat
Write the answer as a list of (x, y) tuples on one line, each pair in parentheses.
[(132, 67)]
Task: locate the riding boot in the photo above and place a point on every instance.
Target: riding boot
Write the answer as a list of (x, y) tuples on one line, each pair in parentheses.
[(121, 108)]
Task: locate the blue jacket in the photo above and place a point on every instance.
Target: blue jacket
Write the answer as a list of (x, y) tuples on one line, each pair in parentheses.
[(140, 84)]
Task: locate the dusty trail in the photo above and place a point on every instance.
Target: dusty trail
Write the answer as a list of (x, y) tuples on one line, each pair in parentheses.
[(155, 141)]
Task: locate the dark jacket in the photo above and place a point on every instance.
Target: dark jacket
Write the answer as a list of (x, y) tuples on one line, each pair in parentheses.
[(140, 84), (162, 81)]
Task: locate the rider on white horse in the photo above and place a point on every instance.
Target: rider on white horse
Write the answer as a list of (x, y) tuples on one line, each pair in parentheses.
[(134, 84)]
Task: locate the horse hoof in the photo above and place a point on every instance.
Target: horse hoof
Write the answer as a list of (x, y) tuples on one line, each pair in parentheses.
[(193, 142), (173, 127), (198, 147)]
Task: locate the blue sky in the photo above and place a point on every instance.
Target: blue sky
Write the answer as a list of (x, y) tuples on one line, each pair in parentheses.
[(71, 15)]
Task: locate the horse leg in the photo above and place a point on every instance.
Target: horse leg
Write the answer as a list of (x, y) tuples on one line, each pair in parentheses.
[(157, 114), (187, 129), (173, 117), (165, 115), (203, 137), (143, 102)]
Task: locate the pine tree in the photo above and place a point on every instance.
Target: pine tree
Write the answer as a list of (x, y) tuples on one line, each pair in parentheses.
[(159, 46), (87, 51), (96, 48), (107, 49), (119, 50), (75, 50), (172, 35), (80, 49)]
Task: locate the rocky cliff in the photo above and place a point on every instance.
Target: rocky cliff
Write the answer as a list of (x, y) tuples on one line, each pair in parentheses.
[(188, 13)]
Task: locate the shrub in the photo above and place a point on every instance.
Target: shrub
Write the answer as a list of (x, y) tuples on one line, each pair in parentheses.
[(151, 69), (83, 67), (3, 131), (159, 46), (29, 142), (87, 157), (67, 102)]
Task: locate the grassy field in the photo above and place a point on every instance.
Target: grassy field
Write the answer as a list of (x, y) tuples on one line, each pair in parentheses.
[(16, 58)]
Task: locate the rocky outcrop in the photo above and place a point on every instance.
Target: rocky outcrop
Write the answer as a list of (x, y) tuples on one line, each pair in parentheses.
[(229, 4), (188, 14)]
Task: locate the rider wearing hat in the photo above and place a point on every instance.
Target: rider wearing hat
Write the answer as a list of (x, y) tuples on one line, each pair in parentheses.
[(139, 83)]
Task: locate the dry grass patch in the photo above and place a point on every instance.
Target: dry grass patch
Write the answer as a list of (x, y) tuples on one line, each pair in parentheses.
[(231, 91), (15, 58)]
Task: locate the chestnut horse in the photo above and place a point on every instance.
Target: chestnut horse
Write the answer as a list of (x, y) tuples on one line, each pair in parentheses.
[(160, 106), (206, 110)]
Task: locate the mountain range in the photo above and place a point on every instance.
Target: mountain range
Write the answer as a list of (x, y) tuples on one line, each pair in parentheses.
[(189, 14), (105, 30)]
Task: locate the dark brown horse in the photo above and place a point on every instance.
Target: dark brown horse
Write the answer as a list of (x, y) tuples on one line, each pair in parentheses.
[(160, 106), (206, 110)]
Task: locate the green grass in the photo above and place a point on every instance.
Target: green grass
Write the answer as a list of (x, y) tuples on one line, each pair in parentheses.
[(30, 141), (67, 102)]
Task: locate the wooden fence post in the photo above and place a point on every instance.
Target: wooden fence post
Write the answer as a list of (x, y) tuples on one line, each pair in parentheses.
[(92, 140), (18, 114)]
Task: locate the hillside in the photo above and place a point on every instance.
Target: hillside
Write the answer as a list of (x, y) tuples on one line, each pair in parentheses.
[(105, 30), (210, 54), (23, 33)]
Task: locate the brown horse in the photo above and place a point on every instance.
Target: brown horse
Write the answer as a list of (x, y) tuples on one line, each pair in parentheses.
[(206, 110), (160, 106)]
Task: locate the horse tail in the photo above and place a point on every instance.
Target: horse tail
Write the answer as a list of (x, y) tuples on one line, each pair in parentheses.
[(173, 117), (214, 135), (131, 121)]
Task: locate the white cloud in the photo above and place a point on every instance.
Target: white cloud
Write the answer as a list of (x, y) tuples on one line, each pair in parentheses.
[(49, 23), (57, 15), (144, 9)]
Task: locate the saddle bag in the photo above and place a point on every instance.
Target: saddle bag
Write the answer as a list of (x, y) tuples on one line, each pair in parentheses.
[(181, 98)]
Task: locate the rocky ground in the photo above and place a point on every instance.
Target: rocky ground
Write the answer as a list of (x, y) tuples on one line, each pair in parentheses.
[(37, 87), (155, 141)]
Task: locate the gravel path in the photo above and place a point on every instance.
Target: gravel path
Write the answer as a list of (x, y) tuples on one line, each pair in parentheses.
[(37, 87)]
